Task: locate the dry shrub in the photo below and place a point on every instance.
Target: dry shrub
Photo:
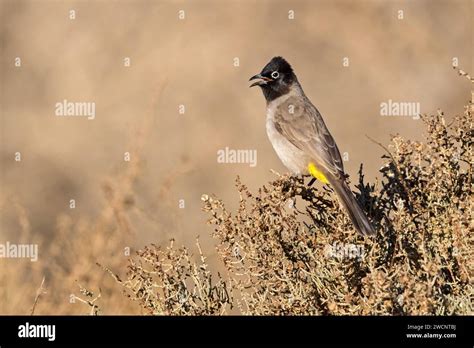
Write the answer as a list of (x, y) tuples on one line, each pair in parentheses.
[(170, 282), (290, 260), (70, 250), (70, 256)]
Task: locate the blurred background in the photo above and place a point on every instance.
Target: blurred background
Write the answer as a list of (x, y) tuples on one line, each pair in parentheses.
[(198, 55)]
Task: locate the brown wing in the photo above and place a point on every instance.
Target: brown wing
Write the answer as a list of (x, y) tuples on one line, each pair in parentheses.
[(301, 123)]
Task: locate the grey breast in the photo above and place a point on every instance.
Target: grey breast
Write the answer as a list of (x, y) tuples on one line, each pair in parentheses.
[(299, 135), (294, 158)]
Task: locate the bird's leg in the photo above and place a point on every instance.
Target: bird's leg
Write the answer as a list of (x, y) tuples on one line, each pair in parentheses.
[(311, 182)]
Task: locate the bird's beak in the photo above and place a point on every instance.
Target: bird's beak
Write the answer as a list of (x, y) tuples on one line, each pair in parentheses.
[(263, 80)]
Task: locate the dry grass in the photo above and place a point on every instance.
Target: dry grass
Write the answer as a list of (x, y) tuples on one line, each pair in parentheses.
[(70, 257), (70, 251)]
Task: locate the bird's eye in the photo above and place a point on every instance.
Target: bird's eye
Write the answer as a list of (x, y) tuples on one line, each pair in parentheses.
[(275, 75)]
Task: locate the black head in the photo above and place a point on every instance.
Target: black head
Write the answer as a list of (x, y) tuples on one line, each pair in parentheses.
[(276, 78)]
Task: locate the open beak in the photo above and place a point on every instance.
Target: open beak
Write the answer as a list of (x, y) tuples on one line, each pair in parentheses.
[(262, 80)]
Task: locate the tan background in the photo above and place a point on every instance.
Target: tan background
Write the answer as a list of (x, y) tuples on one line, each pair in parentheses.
[(189, 62)]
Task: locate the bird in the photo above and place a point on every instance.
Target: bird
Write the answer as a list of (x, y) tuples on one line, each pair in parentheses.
[(300, 137)]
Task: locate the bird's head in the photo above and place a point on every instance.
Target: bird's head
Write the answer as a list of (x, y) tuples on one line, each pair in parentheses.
[(276, 78)]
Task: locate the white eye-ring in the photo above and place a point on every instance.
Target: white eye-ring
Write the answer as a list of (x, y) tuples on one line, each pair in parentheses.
[(275, 75)]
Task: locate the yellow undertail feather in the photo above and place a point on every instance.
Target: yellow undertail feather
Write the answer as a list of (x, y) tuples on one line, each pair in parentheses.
[(315, 172)]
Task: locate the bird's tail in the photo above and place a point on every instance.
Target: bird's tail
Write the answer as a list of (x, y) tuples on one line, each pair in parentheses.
[(358, 217)]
